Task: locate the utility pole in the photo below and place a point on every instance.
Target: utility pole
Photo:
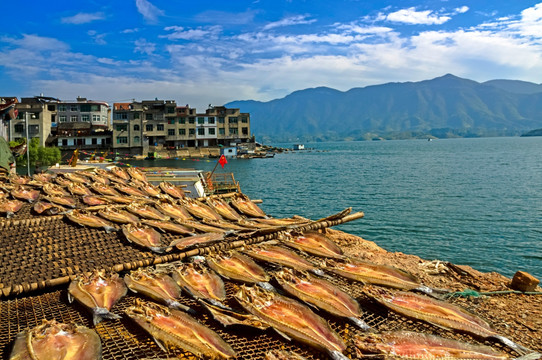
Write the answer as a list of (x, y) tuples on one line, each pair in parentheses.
[(27, 144)]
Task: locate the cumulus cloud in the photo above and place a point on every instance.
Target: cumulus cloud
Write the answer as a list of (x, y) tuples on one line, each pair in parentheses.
[(144, 47), (83, 18), (180, 33), (289, 21), (414, 17), (148, 10)]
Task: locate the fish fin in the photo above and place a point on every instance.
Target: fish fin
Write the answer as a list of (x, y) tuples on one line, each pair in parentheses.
[(157, 249), (196, 259), (177, 305), (96, 319), (360, 323), (70, 298), (318, 272), (521, 350), (160, 345), (109, 229), (10, 214), (337, 355), (531, 356), (267, 286), (283, 334)]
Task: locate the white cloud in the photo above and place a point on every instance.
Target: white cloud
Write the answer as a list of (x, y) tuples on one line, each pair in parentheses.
[(462, 10), (144, 47), (290, 21), (148, 10), (412, 16), (83, 18), (180, 33)]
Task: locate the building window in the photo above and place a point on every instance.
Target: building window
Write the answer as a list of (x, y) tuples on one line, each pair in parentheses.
[(170, 110), (62, 118), (61, 107), (149, 127), (104, 119), (191, 131), (201, 131), (232, 120), (64, 142), (122, 140), (74, 118), (211, 120), (94, 108), (244, 120), (136, 140), (19, 128), (94, 141), (148, 116), (222, 131), (221, 120), (136, 127), (201, 120), (171, 132), (160, 127), (191, 120), (171, 121), (234, 131), (182, 120), (244, 131), (182, 132), (121, 116), (51, 107), (122, 127), (136, 115), (211, 131), (73, 108), (95, 118), (85, 118), (85, 107)]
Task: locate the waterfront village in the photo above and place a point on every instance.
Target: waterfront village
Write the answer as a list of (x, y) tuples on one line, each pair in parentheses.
[(138, 129)]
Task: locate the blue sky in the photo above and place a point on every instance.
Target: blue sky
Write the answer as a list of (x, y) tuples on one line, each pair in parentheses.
[(212, 52)]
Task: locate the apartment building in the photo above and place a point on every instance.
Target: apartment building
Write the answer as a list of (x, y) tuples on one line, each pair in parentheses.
[(40, 112), (151, 125)]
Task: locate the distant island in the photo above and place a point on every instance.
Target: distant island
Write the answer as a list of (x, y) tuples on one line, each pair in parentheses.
[(444, 107), (536, 132)]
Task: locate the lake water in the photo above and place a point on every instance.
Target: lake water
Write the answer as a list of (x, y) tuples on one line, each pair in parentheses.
[(469, 201)]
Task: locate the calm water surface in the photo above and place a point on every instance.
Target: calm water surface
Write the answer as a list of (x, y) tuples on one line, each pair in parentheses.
[(469, 201)]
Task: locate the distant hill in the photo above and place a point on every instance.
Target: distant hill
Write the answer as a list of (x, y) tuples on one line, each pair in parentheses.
[(446, 106)]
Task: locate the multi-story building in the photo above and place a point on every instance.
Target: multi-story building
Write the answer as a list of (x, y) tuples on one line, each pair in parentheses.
[(150, 125)]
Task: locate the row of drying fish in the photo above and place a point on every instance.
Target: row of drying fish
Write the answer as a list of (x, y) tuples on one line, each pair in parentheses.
[(266, 308)]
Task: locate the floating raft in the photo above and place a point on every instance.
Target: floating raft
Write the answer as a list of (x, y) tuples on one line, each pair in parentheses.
[(42, 254)]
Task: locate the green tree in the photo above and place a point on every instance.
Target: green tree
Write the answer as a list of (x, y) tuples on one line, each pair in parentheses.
[(45, 156)]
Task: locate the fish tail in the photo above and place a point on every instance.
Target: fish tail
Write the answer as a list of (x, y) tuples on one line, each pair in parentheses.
[(177, 305), (267, 286), (337, 355), (360, 323), (521, 350), (531, 356)]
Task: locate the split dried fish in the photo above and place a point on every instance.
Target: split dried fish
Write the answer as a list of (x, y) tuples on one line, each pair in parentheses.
[(94, 200), (76, 178), (84, 218), (150, 190), (229, 317), (25, 193), (200, 227), (104, 189), (277, 354), (10, 207), (439, 313), (136, 174), (291, 319), (235, 266), (120, 173), (411, 345), (144, 236), (322, 294), (119, 199), (99, 292), (199, 209), (172, 190), (196, 240), (173, 327), (156, 285), (79, 189), (315, 243), (98, 178), (246, 206), (199, 281), (45, 177), (54, 340), (173, 210), (54, 190), (169, 227), (146, 211), (118, 215), (47, 208), (62, 200), (223, 209), (281, 256), (129, 190)]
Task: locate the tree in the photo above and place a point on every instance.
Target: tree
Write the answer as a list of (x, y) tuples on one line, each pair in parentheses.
[(44, 156)]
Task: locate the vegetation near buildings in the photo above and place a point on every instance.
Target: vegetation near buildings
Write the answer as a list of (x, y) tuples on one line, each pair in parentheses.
[(43, 156)]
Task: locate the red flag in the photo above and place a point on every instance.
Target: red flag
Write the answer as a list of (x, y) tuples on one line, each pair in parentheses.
[(222, 161)]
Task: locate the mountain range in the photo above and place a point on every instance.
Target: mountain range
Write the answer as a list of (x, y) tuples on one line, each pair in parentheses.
[(447, 106)]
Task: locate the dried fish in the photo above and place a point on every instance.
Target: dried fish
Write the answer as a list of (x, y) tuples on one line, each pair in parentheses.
[(233, 265), (173, 327), (10, 207), (62, 181), (277, 354), (54, 340), (146, 211), (79, 189), (172, 190), (411, 345), (94, 200), (136, 174), (282, 222), (84, 218), (99, 292), (25, 193), (110, 175), (320, 293), (98, 178), (223, 209), (196, 241), (246, 206), (199, 281), (199, 209), (44, 177), (47, 208), (291, 318), (169, 227), (76, 178), (229, 317), (104, 189), (54, 190), (439, 313), (315, 243), (369, 273), (156, 285), (62, 200), (281, 256), (173, 210), (119, 199), (200, 227), (120, 172), (144, 236), (129, 190), (118, 215), (150, 190), (18, 180)]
